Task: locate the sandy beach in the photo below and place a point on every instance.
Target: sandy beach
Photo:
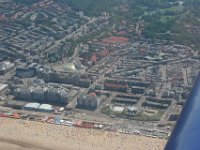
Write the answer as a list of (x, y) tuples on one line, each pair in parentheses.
[(22, 135)]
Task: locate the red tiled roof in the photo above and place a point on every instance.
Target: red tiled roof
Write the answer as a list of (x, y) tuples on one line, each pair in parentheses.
[(104, 52), (92, 94), (115, 39), (2, 17), (122, 32), (115, 85), (142, 49), (94, 58)]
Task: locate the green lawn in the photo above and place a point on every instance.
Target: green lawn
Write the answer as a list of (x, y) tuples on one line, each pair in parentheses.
[(140, 116)]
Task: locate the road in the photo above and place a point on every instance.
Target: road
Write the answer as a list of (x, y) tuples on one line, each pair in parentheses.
[(72, 35), (168, 111), (107, 101)]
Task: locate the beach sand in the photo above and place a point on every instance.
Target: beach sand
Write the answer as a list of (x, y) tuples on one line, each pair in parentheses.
[(22, 135)]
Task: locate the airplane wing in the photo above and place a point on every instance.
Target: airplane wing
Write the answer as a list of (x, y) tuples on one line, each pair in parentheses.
[(186, 134)]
